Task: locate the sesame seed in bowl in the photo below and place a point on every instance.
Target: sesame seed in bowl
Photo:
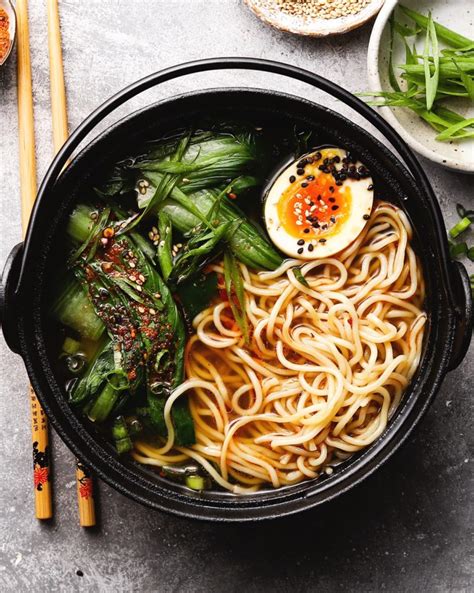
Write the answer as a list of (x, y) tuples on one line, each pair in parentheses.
[(316, 18)]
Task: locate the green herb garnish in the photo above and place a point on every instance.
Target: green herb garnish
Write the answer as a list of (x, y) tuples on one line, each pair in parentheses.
[(460, 227), (431, 76), (234, 286)]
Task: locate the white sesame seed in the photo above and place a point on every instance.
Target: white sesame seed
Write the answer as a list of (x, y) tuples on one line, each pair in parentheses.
[(326, 9)]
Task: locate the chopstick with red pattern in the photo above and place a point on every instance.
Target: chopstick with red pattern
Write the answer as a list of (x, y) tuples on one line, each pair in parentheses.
[(84, 483)]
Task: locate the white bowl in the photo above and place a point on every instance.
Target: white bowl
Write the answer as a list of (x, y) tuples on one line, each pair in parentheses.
[(457, 155), (310, 26), (8, 8)]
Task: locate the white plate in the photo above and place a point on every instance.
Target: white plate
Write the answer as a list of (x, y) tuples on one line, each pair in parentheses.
[(455, 14), (310, 26)]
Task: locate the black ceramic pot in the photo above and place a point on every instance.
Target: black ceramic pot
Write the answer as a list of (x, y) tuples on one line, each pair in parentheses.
[(28, 273)]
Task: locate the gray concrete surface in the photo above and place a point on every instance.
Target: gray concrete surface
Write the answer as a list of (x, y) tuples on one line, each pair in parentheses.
[(407, 528)]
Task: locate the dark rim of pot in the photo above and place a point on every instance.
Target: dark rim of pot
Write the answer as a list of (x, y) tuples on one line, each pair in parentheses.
[(135, 481)]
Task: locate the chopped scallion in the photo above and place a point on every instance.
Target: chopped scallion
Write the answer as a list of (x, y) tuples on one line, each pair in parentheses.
[(71, 346), (460, 227), (457, 249), (195, 482), (447, 35), (299, 276), (431, 76)]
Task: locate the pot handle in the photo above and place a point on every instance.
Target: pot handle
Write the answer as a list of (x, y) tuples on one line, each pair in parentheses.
[(288, 70), (258, 64), (464, 315), (9, 298)]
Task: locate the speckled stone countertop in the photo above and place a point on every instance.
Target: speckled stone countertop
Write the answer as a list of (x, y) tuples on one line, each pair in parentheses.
[(409, 527)]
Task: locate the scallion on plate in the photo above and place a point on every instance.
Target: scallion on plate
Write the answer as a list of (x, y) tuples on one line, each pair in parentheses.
[(430, 77)]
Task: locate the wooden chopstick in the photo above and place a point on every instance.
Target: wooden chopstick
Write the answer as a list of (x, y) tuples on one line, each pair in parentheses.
[(84, 483), (39, 423)]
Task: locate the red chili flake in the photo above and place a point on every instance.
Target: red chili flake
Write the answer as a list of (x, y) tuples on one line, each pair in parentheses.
[(114, 252), (108, 232), (133, 333), (132, 375), (150, 332), (232, 196), (228, 323)]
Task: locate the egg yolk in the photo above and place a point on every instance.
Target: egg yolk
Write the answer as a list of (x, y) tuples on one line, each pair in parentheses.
[(314, 206)]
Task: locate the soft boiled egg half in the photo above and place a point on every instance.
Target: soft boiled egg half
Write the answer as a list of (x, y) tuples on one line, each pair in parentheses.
[(319, 204)]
